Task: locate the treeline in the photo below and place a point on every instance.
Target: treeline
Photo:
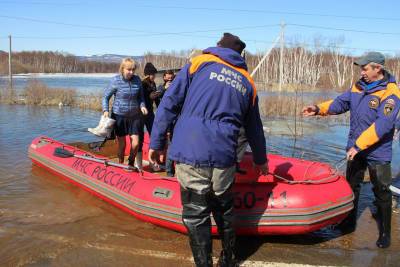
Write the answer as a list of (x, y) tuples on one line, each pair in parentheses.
[(52, 62), (309, 69), (322, 67), (303, 68), (56, 62), (166, 60)]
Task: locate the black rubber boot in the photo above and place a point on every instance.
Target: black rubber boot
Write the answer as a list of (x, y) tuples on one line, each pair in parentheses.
[(354, 176), (196, 218), (131, 159), (222, 209), (169, 168), (384, 227), (227, 257), (381, 177)]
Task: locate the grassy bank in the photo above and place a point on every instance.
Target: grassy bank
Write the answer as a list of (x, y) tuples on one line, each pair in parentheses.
[(283, 105), (39, 94)]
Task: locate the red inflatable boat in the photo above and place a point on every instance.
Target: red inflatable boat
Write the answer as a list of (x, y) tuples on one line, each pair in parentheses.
[(299, 197)]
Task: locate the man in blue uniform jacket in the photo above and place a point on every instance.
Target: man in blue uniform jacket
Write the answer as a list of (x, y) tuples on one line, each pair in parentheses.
[(373, 102), (211, 98)]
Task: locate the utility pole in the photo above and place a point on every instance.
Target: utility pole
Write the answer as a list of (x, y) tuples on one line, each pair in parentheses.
[(281, 55), (265, 56), (9, 64)]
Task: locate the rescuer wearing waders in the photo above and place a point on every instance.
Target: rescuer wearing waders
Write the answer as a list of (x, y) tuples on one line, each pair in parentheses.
[(211, 98), (373, 102)]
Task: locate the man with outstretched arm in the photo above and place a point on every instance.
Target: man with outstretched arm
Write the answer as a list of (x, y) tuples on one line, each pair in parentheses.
[(373, 102), (211, 98)]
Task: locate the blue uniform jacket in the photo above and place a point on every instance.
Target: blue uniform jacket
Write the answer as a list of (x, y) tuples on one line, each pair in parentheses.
[(373, 114), (128, 96), (211, 98)]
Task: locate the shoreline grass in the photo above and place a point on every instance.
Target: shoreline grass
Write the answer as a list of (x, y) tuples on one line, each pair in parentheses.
[(39, 94)]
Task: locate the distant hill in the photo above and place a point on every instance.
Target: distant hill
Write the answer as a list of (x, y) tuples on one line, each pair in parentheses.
[(109, 58), (105, 58), (56, 62)]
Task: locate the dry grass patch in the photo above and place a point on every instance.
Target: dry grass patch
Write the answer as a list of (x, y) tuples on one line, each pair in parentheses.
[(91, 101), (37, 93)]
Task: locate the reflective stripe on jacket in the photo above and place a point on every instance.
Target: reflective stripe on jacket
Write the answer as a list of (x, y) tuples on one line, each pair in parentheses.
[(373, 114), (211, 98)]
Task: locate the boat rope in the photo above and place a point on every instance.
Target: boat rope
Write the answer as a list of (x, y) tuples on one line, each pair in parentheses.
[(87, 156), (336, 174)]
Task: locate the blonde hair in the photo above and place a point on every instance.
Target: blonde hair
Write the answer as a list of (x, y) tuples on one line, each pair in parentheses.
[(127, 63)]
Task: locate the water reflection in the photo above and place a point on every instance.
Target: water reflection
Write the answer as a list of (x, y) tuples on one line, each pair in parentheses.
[(47, 221)]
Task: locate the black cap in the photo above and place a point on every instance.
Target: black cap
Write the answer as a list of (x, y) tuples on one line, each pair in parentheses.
[(370, 57), (231, 41), (149, 69)]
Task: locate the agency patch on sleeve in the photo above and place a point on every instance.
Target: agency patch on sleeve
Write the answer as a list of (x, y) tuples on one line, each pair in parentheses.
[(389, 107)]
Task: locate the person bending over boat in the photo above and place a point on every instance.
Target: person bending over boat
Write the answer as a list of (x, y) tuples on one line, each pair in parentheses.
[(127, 108), (373, 102), (211, 98)]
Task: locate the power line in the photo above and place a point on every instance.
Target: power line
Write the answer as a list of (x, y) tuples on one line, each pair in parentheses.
[(293, 44), (263, 11), (69, 24), (296, 44), (144, 34), (184, 32), (271, 12), (128, 29), (340, 47), (342, 29)]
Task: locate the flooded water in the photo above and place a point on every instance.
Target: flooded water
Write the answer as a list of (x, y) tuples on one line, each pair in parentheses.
[(83, 83), (86, 83), (45, 221)]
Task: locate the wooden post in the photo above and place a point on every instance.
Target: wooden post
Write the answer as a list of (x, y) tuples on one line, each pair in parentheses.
[(9, 64), (281, 55)]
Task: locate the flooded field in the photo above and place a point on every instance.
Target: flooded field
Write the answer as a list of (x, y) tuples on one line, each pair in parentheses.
[(45, 221), (83, 83)]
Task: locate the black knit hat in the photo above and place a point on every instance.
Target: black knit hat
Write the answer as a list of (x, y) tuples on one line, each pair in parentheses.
[(231, 41), (149, 69)]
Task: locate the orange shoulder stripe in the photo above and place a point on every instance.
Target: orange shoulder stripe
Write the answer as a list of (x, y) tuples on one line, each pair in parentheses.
[(354, 89), (197, 61), (391, 89), (367, 138), (324, 107), (379, 94)]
